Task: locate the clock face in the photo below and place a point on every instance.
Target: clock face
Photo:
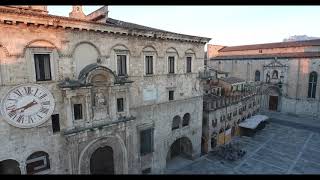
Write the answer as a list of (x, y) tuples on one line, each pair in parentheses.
[(27, 106)]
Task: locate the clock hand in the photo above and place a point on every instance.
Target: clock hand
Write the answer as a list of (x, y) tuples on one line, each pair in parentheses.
[(26, 106), (30, 105)]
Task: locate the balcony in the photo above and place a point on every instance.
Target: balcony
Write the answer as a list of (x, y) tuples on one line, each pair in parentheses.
[(97, 126)]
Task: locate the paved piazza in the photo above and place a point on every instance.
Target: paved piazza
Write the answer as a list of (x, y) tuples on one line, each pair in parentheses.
[(280, 148)]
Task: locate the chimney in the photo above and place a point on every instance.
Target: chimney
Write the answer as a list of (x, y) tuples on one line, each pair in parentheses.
[(77, 12)]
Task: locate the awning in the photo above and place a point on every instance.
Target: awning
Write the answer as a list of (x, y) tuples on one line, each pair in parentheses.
[(253, 122)]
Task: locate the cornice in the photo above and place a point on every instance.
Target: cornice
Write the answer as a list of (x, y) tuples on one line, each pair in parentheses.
[(17, 16)]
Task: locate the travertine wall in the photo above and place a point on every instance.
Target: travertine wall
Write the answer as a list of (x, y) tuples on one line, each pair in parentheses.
[(70, 51), (294, 97)]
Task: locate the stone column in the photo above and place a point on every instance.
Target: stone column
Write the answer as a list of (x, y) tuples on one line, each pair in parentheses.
[(23, 167), (127, 102), (69, 120), (87, 100)]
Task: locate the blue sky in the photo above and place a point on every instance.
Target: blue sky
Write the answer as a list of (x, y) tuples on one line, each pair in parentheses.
[(226, 25)]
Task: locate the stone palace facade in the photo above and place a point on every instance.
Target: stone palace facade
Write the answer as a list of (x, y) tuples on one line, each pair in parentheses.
[(89, 94), (287, 71)]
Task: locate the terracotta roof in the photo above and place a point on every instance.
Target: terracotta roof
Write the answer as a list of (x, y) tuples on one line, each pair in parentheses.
[(269, 56), (232, 80), (314, 42)]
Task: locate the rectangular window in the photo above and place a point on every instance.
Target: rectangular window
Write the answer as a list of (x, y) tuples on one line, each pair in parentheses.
[(77, 110), (120, 104), (149, 65), (171, 64), (235, 113), (42, 67), (122, 65), (146, 141), (188, 64), (55, 123), (171, 95)]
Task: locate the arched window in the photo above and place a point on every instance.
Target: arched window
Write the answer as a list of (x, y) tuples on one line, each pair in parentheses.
[(9, 166), (257, 76), (312, 85), (176, 122), (186, 119), (37, 162)]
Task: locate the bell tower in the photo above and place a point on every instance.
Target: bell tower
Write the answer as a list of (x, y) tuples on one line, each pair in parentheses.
[(77, 12)]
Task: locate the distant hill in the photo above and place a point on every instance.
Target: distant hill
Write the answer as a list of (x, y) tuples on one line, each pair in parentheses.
[(299, 38)]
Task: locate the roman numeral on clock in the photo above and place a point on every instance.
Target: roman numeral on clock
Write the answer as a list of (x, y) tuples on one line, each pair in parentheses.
[(12, 113), (36, 92), (15, 100), (44, 110), (27, 90), (30, 120), (20, 119), (42, 96), (46, 103), (12, 107), (17, 92)]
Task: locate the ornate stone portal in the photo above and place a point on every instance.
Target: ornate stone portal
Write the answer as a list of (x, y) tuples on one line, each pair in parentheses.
[(275, 72)]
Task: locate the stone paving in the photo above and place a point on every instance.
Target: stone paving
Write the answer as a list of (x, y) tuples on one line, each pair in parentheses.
[(277, 149)]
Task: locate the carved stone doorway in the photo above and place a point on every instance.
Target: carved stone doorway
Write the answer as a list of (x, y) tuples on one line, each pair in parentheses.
[(273, 103), (101, 161)]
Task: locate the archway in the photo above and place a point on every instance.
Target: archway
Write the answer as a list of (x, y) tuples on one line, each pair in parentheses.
[(107, 146), (181, 147), (101, 161), (9, 166), (272, 98), (179, 154)]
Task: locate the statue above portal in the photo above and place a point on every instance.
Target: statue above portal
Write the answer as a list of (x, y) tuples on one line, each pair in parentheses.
[(99, 99)]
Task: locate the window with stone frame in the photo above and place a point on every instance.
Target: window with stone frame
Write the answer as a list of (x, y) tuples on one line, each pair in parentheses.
[(42, 67), (312, 85), (149, 65), (186, 120), (77, 111), (235, 113), (171, 95), (176, 123), (122, 65), (37, 162), (120, 105), (189, 64), (146, 141), (229, 116), (171, 64), (55, 123), (257, 76)]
